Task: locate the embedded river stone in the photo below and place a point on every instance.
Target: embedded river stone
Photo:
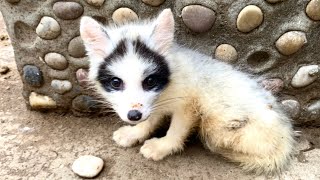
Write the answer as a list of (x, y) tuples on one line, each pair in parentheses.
[(95, 2), (314, 109), (87, 166), (313, 10), (67, 10), (305, 76), (122, 15), (292, 107), (249, 18), (153, 2), (290, 42), (198, 18), (76, 48), (61, 86), (38, 101), (82, 77), (274, 85), (48, 28), (32, 75), (56, 61), (84, 103), (226, 52)]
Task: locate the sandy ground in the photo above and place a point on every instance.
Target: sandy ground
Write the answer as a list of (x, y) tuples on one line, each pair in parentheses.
[(36, 145)]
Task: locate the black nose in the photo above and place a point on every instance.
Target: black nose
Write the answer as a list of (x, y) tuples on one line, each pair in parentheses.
[(134, 115)]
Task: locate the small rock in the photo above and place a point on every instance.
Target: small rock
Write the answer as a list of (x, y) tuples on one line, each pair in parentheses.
[(4, 69), (122, 15), (249, 18), (87, 166), (56, 61), (48, 28), (153, 2), (82, 77), (55, 74), (313, 10), (38, 101), (32, 75), (290, 42), (84, 103), (67, 10), (303, 144), (198, 18), (292, 107), (305, 76), (274, 1), (13, 1), (95, 2), (61, 86), (314, 110), (274, 85), (76, 48), (226, 53)]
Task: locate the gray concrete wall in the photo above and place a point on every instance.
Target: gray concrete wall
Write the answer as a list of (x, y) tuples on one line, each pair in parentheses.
[(276, 39)]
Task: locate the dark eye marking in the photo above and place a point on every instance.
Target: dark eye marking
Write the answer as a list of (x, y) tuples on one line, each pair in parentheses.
[(155, 82)]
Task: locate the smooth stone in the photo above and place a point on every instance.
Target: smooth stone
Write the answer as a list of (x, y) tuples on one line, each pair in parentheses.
[(274, 1), (153, 2), (198, 18), (122, 15), (87, 166), (226, 52), (67, 10), (292, 107), (82, 77), (38, 101), (313, 10), (249, 18), (274, 85), (84, 103), (56, 74), (303, 144), (314, 109), (4, 69), (13, 1), (305, 76), (61, 86), (290, 42), (48, 28), (76, 48), (32, 75), (56, 61), (95, 2)]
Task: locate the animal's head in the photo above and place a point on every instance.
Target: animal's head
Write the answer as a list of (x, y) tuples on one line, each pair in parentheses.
[(127, 63)]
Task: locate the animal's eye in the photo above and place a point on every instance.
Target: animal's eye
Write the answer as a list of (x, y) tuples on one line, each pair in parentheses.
[(116, 83), (150, 82)]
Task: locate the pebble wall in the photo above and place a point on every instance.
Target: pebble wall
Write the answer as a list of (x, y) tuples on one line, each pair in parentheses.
[(278, 39)]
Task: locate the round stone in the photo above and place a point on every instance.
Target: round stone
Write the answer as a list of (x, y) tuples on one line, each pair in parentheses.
[(249, 18), (32, 75), (84, 103), (290, 42), (56, 74), (274, 1), (87, 166), (48, 28), (198, 18), (313, 10), (95, 2), (226, 53), (76, 48), (67, 10), (122, 15), (61, 86), (274, 85), (56, 61), (4, 69), (82, 77), (13, 1), (314, 109), (292, 107), (153, 2), (38, 101), (305, 76)]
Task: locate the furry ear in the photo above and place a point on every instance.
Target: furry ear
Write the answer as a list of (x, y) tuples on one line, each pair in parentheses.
[(163, 33), (95, 38)]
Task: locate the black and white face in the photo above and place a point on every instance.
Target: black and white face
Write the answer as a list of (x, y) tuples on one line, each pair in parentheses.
[(132, 78)]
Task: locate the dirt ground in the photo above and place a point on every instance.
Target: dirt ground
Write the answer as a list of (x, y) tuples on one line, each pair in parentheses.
[(36, 145)]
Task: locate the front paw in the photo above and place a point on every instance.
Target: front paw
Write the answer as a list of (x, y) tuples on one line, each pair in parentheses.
[(156, 149), (128, 136)]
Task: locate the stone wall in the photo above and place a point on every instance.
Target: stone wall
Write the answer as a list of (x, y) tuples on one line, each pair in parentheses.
[(278, 39)]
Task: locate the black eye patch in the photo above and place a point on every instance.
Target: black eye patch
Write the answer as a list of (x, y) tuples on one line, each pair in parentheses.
[(109, 82), (155, 82)]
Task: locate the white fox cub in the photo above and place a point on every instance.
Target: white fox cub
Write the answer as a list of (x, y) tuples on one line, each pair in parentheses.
[(144, 76)]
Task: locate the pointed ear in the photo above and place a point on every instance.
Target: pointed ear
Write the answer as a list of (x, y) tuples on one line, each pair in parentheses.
[(163, 33), (95, 38)]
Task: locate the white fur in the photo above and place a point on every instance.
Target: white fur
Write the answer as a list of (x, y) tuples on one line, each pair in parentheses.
[(233, 114)]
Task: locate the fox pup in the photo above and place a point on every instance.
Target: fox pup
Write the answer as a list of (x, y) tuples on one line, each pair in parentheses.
[(144, 75)]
